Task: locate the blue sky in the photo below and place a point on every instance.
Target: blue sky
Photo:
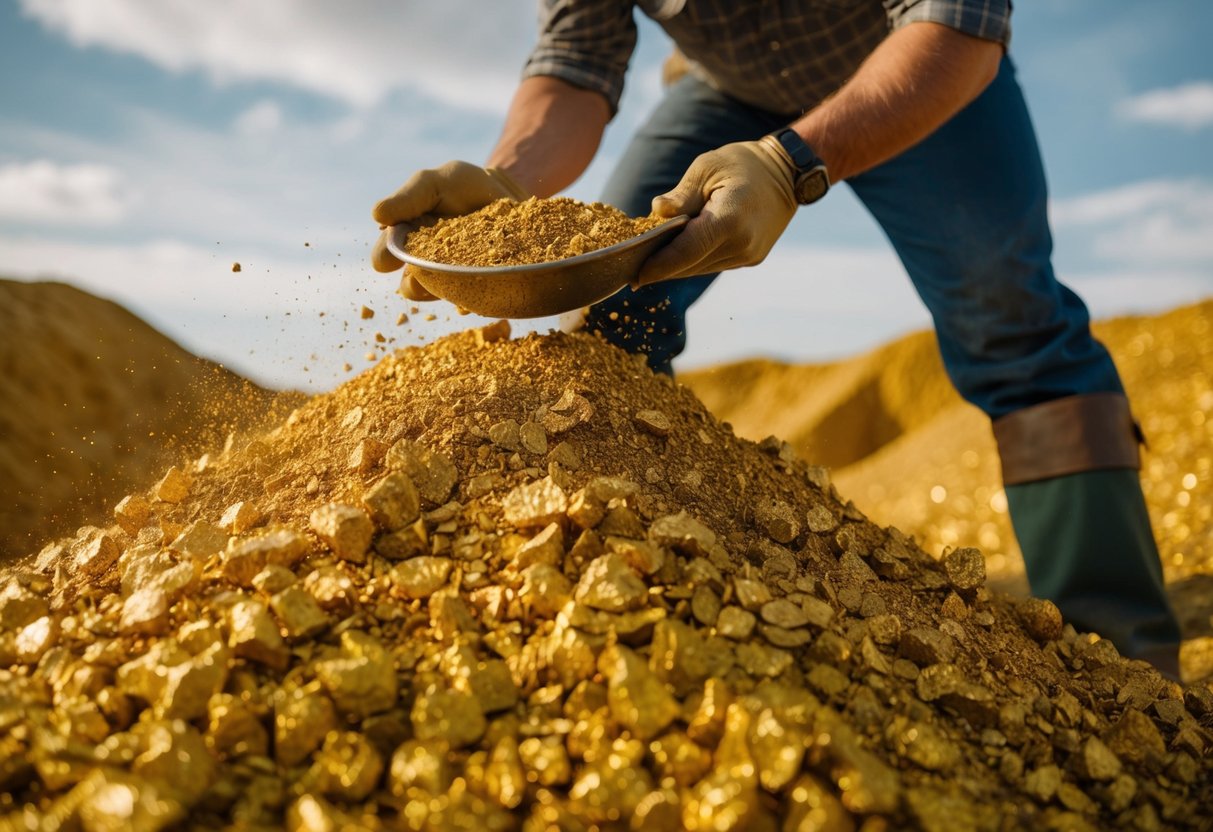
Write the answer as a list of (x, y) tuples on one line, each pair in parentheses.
[(146, 145)]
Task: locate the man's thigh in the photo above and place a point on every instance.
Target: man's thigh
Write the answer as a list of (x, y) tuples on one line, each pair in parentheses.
[(966, 210)]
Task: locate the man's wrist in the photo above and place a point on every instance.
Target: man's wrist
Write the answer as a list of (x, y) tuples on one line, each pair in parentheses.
[(810, 176)]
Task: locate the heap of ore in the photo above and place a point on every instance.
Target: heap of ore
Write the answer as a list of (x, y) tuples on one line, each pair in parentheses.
[(528, 585)]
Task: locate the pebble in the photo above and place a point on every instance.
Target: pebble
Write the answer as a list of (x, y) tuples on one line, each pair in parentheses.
[(253, 635), (433, 473), (654, 422), (609, 584), (535, 504), (778, 521), (241, 516), (132, 513), (301, 616), (420, 577), (303, 717), (965, 568), (736, 623), (173, 487), (450, 717), (362, 680), (345, 528), (925, 646), (347, 767), (393, 502), (1040, 618), (637, 698)]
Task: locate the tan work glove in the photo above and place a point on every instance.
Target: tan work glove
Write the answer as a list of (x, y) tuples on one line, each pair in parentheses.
[(451, 190), (741, 199)]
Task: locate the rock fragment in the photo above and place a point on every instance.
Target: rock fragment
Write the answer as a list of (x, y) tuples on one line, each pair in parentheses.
[(433, 473), (965, 568), (393, 502), (778, 521), (1040, 618), (253, 635), (132, 513), (609, 584), (241, 516), (535, 504), (173, 487), (654, 422), (420, 577), (345, 528)]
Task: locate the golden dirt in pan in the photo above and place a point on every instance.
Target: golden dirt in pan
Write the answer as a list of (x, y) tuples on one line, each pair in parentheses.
[(509, 233)]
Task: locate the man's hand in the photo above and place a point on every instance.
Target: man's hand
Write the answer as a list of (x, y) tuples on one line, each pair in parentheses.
[(741, 199), (452, 190)]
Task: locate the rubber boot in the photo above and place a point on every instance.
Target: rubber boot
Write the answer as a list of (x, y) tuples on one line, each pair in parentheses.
[(1088, 547), (1070, 468)]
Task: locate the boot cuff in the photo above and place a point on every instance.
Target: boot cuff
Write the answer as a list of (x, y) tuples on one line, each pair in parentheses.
[(1067, 436)]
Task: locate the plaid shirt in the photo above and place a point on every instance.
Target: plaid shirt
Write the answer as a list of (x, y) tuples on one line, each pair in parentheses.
[(784, 57)]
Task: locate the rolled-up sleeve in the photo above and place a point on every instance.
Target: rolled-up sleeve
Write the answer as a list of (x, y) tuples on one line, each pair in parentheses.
[(585, 42), (987, 19)]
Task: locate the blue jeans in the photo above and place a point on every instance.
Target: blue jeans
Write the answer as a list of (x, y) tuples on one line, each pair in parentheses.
[(965, 209)]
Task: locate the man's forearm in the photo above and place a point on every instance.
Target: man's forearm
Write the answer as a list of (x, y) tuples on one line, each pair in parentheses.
[(551, 134), (916, 80)]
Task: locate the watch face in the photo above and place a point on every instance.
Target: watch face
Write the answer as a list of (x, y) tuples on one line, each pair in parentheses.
[(811, 186)]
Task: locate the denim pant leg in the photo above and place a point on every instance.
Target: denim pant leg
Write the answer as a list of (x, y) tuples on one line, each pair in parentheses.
[(966, 211), (691, 119)]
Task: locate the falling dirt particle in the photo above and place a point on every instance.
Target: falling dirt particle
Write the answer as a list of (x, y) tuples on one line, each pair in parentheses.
[(380, 338), (367, 313), (431, 317), (235, 267), (402, 319), (346, 367), (371, 356)]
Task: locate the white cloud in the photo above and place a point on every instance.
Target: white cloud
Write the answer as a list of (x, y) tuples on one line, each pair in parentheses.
[(1189, 106), (263, 117), (1152, 221), (48, 192), (462, 52)]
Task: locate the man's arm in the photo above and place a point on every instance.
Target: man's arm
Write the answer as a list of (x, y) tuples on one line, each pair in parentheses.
[(741, 195), (917, 79), (551, 133)]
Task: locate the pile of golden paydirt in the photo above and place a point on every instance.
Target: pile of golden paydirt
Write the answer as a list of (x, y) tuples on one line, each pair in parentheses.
[(529, 585), (93, 401), (913, 455), (510, 233)]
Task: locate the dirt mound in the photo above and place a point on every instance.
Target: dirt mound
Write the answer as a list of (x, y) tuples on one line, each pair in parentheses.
[(529, 585), (833, 414), (93, 401), (913, 455)]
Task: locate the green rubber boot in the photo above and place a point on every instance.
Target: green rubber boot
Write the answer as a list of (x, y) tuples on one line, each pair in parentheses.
[(1088, 547)]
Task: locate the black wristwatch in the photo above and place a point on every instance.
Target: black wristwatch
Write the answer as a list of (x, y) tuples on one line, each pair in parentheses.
[(812, 179)]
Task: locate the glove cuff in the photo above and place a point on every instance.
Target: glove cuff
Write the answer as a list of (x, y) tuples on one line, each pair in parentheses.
[(509, 183), (779, 156)]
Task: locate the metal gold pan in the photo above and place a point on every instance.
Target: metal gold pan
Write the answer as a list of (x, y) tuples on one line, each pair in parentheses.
[(535, 291)]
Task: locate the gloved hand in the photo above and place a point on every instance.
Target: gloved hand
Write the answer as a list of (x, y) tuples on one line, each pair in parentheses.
[(741, 199), (451, 190)]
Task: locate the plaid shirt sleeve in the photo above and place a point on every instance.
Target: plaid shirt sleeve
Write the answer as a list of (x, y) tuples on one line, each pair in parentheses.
[(987, 19), (585, 43)]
